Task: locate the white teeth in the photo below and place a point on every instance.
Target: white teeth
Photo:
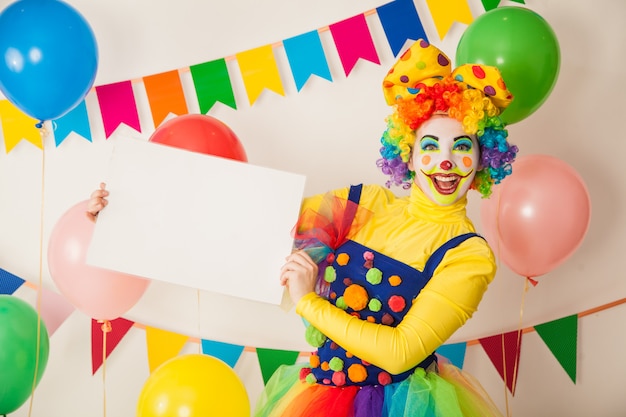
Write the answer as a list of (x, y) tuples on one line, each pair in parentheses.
[(445, 179)]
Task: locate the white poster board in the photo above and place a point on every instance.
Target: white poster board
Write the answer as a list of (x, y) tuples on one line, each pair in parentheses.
[(197, 220)]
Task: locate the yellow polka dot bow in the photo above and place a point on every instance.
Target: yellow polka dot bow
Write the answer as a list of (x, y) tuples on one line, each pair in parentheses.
[(424, 64)]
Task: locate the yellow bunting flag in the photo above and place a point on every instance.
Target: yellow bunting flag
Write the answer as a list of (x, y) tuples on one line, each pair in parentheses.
[(259, 71), (16, 125), (446, 12), (162, 345)]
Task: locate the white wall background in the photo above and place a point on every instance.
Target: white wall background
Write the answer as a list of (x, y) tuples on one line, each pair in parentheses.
[(329, 132)]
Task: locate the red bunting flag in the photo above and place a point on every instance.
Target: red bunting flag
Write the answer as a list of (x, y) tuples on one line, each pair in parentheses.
[(504, 352), (118, 329)]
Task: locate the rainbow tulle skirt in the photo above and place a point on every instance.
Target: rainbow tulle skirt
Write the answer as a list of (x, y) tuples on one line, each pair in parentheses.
[(442, 390)]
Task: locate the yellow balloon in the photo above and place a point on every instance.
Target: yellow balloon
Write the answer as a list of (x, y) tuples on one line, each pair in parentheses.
[(193, 385)]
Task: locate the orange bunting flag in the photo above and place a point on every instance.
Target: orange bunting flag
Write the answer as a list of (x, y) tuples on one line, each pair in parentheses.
[(446, 12), (165, 95), (17, 125), (259, 71), (162, 345)]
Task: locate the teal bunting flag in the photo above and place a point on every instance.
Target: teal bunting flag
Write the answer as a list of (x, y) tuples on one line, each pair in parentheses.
[(306, 57), (226, 352), (77, 120), (454, 352)]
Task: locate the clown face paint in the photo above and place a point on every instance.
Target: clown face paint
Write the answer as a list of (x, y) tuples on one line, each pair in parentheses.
[(445, 159)]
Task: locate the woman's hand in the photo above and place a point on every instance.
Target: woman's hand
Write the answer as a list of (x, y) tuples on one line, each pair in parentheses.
[(97, 201), (299, 275)]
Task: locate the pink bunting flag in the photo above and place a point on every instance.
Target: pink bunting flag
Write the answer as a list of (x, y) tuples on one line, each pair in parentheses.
[(353, 41), (55, 309), (117, 106)]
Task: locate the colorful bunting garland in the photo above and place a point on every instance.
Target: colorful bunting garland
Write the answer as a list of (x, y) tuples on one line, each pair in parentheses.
[(560, 336), (258, 68)]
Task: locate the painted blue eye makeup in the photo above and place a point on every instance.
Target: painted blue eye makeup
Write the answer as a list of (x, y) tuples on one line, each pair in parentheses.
[(463, 144), (429, 143)]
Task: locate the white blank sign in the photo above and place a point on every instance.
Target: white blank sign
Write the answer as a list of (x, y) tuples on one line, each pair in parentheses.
[(196, 220)]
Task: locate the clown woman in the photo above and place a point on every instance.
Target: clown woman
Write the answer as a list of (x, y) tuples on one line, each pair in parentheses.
[(382, 281)]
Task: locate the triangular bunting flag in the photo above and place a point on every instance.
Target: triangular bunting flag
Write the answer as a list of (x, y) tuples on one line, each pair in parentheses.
[(400, 22), (9, 282), (259, 71), (306, 57), (117, 106), (55, 309), (225, 351), (455, 353), (561, 337), (165, 95), (490, 4), (212, 84), (119, 328), (504, 352), (77, 120), (17, 125), (353, 40), (162, 345), (271, 359), (446, 12)]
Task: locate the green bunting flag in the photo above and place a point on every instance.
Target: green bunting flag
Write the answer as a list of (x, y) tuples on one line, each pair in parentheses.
[(271, 359), (561, 337)]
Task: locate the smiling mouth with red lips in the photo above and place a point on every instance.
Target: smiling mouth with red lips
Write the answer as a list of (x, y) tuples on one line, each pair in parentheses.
[(446, 184)]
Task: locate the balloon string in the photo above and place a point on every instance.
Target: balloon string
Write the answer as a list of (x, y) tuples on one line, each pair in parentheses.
[(39, 290), (199, 334), (106, 328), (506, 393)]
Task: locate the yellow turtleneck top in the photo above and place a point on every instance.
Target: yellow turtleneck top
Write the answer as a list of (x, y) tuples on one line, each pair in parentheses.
[(409, 229)]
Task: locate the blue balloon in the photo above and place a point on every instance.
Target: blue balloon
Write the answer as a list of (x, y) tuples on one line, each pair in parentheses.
[(48, 57)]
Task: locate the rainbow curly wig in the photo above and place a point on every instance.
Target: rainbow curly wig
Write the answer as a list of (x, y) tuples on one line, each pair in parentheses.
[(421, 84)]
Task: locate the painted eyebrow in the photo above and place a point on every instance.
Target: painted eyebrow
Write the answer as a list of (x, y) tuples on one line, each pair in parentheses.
[(437, 139), (462, 137)]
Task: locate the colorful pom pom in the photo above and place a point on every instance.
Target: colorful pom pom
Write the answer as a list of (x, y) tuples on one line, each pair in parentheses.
[(314, 337), (396, 303), (336, 364), (375, 305), (314, 361), (339, 379), (384, 378), (330, 275), (387, 319), (304, 372), (342, 259), (356, 297), (395, 280), (357, 373), (374, 276), (310, 379)]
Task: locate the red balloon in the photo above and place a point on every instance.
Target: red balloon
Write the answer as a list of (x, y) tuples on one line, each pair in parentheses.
[(537, 217), (100, 293), (200, 133)]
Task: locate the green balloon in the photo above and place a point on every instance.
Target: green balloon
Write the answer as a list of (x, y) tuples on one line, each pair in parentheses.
[(523, 46), (18, 352)]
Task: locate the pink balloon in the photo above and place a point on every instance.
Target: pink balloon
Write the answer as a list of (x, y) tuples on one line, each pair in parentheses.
[(100, 293), (539, 215)]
